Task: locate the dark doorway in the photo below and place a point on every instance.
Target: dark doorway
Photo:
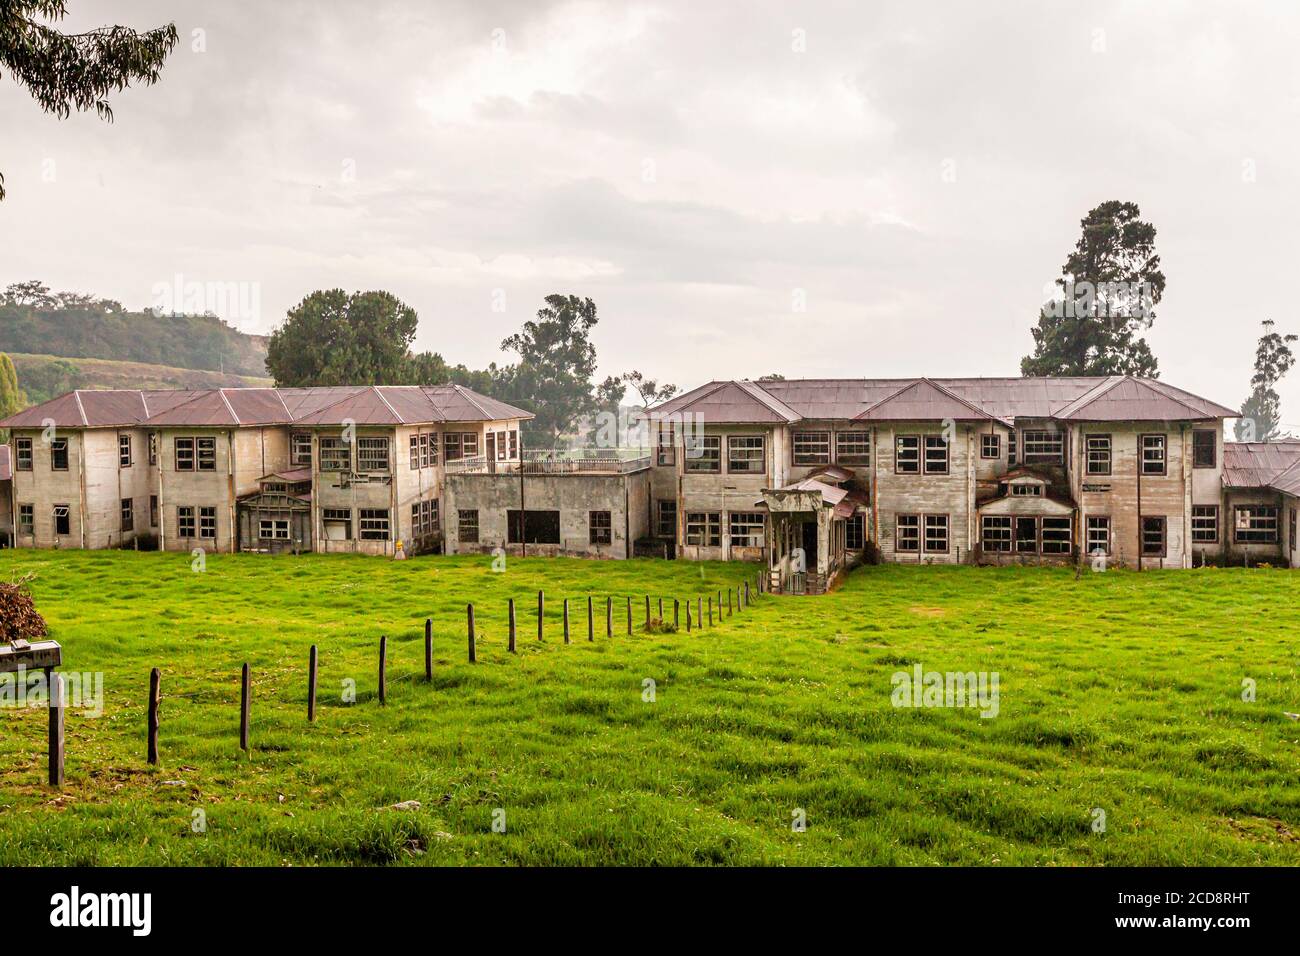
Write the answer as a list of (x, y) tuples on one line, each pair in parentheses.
[(810, 545), (533, 527), (1027, 535)]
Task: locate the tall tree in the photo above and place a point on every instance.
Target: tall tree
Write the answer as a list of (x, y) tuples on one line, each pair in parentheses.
[(67, 71), (553, 377), (1262, 411), (332, 338), (12, 398), (648, 390), (1107, 294)]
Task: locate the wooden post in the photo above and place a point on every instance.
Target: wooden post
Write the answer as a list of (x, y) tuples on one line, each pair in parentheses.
[(566, 620), (512, 625), (747, 599), (245, 691), (428, 649), (58, 701), (710, 610), (688, 616), (383, 668), (609, 617), (699, 611), (469, 620), (311, 685), (591, 621), (155, 681), (629, 615), (677, 613), (647, 611), (541, 608), (729, 611), (661, 610)]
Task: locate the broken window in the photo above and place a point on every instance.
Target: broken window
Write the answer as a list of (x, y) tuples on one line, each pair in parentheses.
[(337, 523), (59, 454), (1256, 524), (704, 455), (704, 528), (335, 454), (1056, 535), (936, 455), (273, 529), (300, 449), (853, 448), (1044, 446), (372, 454), (128, 514), (124, 451), (373, 524), (1153, 454), (907, 533), (208, 523), (62, 519), (907, 454), (467, 525), (1204, 448), (995, 533), (600, 527), (1153, 535), (746, 454), (855, 532), (27, 520), (1205, 524), (184, 454), (666, 519), (746, 529), (812, 448)]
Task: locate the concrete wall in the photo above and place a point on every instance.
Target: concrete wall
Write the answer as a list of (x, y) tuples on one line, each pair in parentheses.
[(952, 494)]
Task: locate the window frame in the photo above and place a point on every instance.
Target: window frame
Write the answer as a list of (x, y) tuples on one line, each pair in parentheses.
[(1047, 439), (947, 534), (59, 447), (816, 439), (913, 527), (1198, 447), (467, 525), (993, 438), (932, 442), (760, 460), (275, 524), (296, 457), (708, 526), (334, 454), (368, 462), (187, 517), (665, 505), (1088, 530), (985, 527), (1060, 545), (124, 450), (1276, 524), (380, 526), (207, 516), (126, 515), (26, 517), (1164, 536), (709, 459), (750, 538), (19, 457), (1143, 461), (600, 527), (65, 517), (914, 456), (1091, 465), (855, 526), (1213, 517), (856, 438), (190, 455)]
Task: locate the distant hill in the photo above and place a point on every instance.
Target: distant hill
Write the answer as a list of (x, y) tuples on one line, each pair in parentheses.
[(35, 322), (42, 377)]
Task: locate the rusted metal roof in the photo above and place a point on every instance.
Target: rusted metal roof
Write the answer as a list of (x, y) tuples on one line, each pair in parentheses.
[(731, 402), (1120, 399), (1257, 464), (233, 407), (923, 400)]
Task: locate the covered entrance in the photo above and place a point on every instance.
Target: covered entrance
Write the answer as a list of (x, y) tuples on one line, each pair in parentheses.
[(808, 547)]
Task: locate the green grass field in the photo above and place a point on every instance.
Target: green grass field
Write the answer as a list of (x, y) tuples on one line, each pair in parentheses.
[(1119, 692)]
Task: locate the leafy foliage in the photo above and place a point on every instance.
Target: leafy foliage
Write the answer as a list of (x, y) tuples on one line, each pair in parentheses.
[(1108, 290), (1262, 410), (12, 398), (34, 320), (332, 338), (66, 72)]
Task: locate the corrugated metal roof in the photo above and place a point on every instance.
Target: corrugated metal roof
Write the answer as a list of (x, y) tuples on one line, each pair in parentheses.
[(228, 407), (1121, 399), (923, 400), (1257, 464)]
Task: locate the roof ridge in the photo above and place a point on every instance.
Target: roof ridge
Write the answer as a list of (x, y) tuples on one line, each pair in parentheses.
[(221, 392), (288, 415), (81, 409), (380, 396), (470, 397)]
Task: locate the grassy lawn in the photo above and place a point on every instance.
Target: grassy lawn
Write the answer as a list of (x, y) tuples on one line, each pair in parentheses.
[(1119, 692)]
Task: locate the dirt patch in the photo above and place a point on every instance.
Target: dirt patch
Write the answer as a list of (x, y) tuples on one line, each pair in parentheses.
[(927, 611)]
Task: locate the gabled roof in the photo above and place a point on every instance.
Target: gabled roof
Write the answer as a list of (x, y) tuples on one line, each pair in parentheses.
[(234, 407), (1288, 480), (923, 400), (1140, 399), (730, 403), (1257, 464)]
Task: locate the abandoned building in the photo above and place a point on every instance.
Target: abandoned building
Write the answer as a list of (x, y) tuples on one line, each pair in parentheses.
[(806, 476)]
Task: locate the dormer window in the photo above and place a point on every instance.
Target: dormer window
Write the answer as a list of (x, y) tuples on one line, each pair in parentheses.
[(1027, 491)]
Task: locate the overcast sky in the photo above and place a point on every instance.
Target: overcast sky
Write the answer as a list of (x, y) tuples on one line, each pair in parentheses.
[(913, 174)]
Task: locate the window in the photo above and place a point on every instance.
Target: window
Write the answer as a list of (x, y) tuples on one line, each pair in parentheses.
[(995, 533), (338, 523), (424, 450), (124, 451), (433, 449), (667, 450), (372, 454), (907, 454), (1205, 524), (424, 518), (273, 529), (990, 446), (853, 448), (812, 448), (460, 445), (1026, 490), (1153, 454), (705, 454), (855, 532), (185, 522), (374, 524), (300, 449), (936, 534), (745, 455), (23, 454), (128, 514), (514, 443), (59, 454), (208, 523), (534, 527), (153, 511), (500, 442), (207, 453), (1011, 447), (62, 519), (600, 527), (335, 454), (1056, 535), (185, 454), (27, 520), (666, 519), (1153, 536), (1204, 448), (153, 448), (415, 452), (704, 528), (746, 529), (467, 525), (1044, 446), (936, 455), (1098, 532), (1256, 524), (1098, 455), (907, 533)]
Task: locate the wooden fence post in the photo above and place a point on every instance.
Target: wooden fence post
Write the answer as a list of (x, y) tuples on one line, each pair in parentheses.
[(747, 599), (688, 615), (541, 608), (699, 611), (677, 613), (512, 625), (629, 615), (428, 649), (710, 610), (155, 682), (647, 611), (58, 701), (383, 669), (245, 691), (661, 610), (729, 611), (311, 685), (609, 617), (566, 620), (591, 621), (469, 620)]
